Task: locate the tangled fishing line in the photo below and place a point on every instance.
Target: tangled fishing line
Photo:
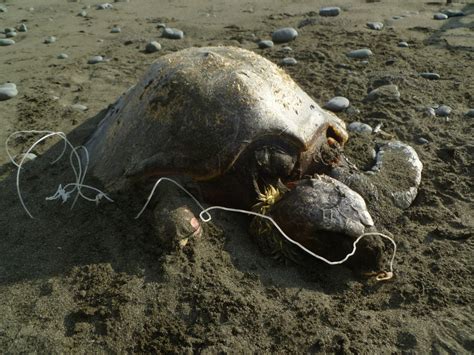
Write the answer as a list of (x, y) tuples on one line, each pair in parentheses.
[(65, 192)]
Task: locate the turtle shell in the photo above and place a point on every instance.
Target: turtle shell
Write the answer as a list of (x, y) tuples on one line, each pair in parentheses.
[(196, 111)]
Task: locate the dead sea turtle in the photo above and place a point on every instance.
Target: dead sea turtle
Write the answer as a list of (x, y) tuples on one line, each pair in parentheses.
[(241, 128)]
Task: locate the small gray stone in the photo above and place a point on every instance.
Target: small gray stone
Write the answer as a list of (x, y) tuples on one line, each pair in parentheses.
[(286, 49), (6, 42), (79, 107), (359, 127), (403, 44), (50, 39), (375, 25), (11, 34), (83, 13), (453, 13), (440, 16), (284, 35), (95, 59), (8, 29), (430, 111), (105, 6), (8, 91), (152, 47), (172, 33), (62, 56), (443, 111), (265, 44), (360, 53), (288, 61), (161, 25), (422, 140), (329, 11), (469, 113), (22, 28), (430, 76), (389, 92), (115, 29), (3, 8), (337, 104)]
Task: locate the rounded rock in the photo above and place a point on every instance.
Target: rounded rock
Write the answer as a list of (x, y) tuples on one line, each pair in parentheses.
[(440, 16), (8, 29), (50, 39), (375, 25), (389, 92), (422, 140), (453, 13), (95, 59), (359, 127), (8, 91), (79, 107), (329, 11), (403, 44), (22, 28), (115, 29), (172, 33), (62, 56), (469, 113), (265, 44), (105, 6), (288, 61), (337, 104), (83, 13), (360, 53), (11, 34), (284, 35), (430, 76), (152, 47), (443, 111), (6, 42), (3, 8), (161, 25)]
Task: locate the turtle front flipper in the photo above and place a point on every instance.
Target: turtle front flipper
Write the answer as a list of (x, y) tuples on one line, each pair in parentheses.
[(325, 216)]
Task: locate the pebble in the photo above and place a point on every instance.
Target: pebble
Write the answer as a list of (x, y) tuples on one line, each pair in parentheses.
[(375, 25), (265, 44), (50, 39), (337, 104), (470, 113), (443, 111), (83, 13), (286, 49), (152, 47), (6, 42), (390, 61), (8, 91), (11, 34), (161, 25), (3, 8), (172, 33), (105, 6), (283, 35), (8, 29), (359, 127), (115, 29), (389, 92), (430, 111), (430, 76), (360, 53), (22, 28), (63, 56), (453, 13), (440, 16), (95, 59), (329, 11), (79, 107), (288, 61), (403, 44), (422, 140)]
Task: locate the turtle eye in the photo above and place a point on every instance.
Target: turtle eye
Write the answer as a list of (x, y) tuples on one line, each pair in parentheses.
[(335, 136)]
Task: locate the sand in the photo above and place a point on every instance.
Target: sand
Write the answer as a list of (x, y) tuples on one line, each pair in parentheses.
[(94, 279)]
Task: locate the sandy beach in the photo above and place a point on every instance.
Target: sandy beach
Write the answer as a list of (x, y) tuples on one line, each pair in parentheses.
[(93, 279)]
